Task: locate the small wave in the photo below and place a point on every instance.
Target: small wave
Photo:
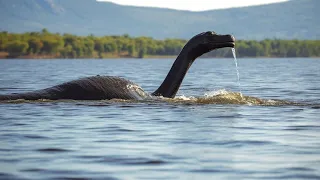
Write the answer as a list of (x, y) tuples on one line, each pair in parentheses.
[(123, 160), (302, 128), (28, 136), (230, 143), (53, 150), (35, 137), (8, 176), (295, 169), (213, 170), (295, 176), (134, 161)]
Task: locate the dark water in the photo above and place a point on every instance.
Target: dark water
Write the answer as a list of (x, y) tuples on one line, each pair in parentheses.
[(208, 132)]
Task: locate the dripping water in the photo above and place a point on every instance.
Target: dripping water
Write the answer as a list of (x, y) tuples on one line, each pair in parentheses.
[(236, 62)]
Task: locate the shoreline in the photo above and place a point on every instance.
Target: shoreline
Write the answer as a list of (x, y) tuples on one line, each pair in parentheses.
[(5, 56), (58, 59), (151, 57)]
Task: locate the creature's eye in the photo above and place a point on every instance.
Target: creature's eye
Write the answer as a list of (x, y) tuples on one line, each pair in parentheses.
[(211, 33)]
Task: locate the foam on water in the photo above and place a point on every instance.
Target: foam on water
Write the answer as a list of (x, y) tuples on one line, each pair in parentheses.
[(215, 93), (223, 96), (186, 98)]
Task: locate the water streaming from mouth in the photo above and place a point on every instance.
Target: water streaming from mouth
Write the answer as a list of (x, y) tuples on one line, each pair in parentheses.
[(236, 62)]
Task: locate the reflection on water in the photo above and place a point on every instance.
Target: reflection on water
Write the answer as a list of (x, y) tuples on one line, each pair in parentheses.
[(207, 132)]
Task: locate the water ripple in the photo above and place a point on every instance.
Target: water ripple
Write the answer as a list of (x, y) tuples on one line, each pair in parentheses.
[(294, 176), (213, 170), (302, 128), (232, 143), (67, 174), (53, 150), (124, 160), (7, 176)]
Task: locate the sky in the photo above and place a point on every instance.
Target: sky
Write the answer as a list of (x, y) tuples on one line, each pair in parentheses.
[(193, 5)]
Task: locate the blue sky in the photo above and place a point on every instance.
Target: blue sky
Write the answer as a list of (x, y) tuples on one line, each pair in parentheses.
[(193, 5)]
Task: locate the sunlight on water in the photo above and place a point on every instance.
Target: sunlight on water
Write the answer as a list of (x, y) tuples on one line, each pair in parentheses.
[(236, 62)]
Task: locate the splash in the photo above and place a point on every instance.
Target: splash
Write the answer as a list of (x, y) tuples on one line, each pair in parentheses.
[(223, 96), (214, 97), (236, 63), (185, 98), (220, 96), (215, 93), (137, 92)]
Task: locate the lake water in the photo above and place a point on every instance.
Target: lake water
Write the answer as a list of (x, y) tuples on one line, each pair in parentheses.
[(196, 136)]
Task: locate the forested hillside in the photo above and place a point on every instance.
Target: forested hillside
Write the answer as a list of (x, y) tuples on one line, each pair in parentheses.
[(294, 19), (48, 45)]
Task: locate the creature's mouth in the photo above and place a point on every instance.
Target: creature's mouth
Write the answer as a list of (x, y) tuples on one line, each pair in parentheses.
[(221, 41), (228, 44), (223, 44)]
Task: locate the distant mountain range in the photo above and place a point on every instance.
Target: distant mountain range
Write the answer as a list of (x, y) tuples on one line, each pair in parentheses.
[(295, 19)]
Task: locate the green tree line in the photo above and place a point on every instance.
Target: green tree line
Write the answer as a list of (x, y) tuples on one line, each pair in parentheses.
[(56, 45)]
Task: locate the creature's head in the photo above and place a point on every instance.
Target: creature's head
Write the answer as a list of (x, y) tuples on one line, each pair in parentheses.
[(195, 47), (208, 41)]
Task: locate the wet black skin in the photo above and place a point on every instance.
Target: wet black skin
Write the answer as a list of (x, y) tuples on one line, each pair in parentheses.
[(109, 87)]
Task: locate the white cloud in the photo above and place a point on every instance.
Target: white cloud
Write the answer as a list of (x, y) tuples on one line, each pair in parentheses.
[(194, 5)]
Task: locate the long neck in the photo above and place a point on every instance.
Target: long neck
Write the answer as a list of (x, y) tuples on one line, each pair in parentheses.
[(172, 82)]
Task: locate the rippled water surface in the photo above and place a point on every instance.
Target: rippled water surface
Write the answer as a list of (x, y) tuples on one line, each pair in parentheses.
[(170, 139)]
